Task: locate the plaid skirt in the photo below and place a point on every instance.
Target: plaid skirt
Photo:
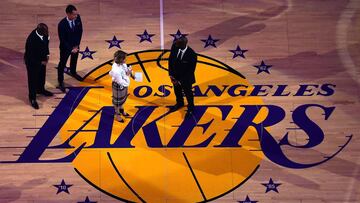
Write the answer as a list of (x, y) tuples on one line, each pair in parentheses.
[(119, 94)]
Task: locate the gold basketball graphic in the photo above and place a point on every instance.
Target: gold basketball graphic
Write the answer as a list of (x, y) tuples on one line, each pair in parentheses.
[(151, 168)]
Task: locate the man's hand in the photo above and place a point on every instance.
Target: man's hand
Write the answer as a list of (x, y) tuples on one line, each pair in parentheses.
[(75, 50), (45, 62), (174, 81)]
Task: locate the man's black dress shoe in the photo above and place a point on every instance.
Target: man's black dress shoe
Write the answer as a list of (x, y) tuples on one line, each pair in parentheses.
[(46, 93), (189, 114), (62, 87), (176, 107), (34, 104), (77, 77)]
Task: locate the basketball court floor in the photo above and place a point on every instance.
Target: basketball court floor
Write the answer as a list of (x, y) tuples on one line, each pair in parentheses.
[(277, 104)]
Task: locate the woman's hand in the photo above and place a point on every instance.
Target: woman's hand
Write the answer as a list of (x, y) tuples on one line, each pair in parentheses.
[(129, 71)]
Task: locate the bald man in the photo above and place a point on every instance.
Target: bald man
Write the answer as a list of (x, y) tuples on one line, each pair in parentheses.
[(182, 64), (36, 58)]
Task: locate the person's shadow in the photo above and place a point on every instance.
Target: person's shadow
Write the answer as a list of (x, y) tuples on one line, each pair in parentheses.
[(310, 66), (235, 27), (13, 73), (11, 192)]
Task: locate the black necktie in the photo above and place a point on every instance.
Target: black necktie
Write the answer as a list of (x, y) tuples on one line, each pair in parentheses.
[(179, 54), (72, 25)]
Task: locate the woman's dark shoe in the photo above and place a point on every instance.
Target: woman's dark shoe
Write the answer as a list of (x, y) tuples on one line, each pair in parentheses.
[(118, 118), (122, 111)]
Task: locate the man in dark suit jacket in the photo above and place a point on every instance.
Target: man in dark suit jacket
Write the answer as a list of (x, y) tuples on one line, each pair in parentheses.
[(70, 32), (36, 57), (182, 63)]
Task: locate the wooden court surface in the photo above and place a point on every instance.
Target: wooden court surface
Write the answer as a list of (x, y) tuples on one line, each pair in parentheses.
[(307, 42)]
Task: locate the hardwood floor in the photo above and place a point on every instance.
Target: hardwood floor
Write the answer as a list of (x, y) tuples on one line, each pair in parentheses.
[(306, 42)]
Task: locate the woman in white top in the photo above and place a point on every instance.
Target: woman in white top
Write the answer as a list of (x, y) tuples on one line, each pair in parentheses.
[(120, 74)]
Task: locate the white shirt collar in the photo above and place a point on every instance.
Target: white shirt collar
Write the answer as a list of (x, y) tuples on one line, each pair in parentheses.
[(41, 37), (122, 65), (182, 51), (70, 21)]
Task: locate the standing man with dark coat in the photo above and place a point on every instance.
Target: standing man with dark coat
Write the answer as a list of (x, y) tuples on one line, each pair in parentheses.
[(182, 64), (36, 57), (70, 32)]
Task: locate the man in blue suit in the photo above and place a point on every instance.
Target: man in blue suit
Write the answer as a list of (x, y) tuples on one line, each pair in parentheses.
[(70, 32)]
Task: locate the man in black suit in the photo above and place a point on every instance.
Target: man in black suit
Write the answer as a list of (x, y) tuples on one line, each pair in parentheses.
[(36, 57), (70, 32), (182, 63)]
